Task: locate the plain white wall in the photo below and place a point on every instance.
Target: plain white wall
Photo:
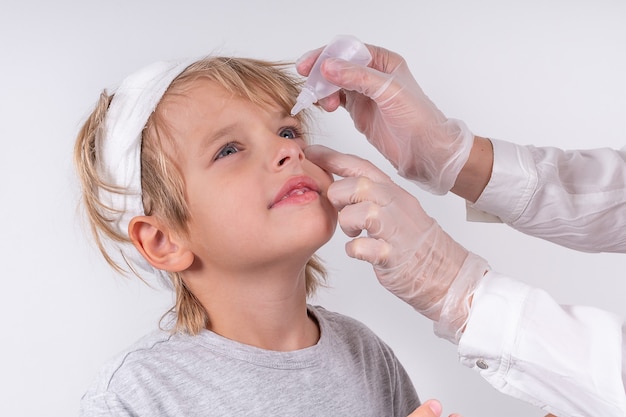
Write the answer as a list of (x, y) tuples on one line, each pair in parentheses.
[(535, 72)]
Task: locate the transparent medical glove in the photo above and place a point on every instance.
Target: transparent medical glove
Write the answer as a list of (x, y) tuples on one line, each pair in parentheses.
[(389, 107), (411, 254)]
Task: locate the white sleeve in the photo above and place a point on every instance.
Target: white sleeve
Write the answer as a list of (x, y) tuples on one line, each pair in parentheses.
[(567, 360), (576, 199)]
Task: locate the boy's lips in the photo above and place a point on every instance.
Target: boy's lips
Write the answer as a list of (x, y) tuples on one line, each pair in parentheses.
[(296, 190)]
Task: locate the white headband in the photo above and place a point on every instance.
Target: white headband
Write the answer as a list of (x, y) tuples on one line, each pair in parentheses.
[(118, 149)]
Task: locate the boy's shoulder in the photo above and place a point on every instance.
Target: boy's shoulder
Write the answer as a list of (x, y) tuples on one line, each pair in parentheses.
[(343, 327), (151, 345), (335, 317), (343, 336)]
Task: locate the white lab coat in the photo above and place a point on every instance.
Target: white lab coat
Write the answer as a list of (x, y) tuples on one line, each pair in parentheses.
[(568, 360)]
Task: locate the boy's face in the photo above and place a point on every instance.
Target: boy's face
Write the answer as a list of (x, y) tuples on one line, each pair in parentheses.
[(254, 199)]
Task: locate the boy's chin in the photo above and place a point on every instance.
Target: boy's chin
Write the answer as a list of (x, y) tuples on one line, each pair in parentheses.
[(319, 242), (326, 231)]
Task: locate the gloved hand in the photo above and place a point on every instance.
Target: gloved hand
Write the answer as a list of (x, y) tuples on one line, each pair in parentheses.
[(389, 107), (411, 255)]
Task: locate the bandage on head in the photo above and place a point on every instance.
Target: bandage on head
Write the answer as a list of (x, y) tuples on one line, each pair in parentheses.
[(118, 150)]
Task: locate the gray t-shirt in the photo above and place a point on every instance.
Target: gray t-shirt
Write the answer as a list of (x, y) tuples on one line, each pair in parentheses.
[(349, 372)]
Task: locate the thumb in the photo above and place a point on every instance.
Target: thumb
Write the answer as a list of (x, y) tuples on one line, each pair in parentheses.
[(431, 408)]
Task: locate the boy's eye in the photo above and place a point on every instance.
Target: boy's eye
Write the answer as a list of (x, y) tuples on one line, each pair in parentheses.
[(290, 133), (229, 149)]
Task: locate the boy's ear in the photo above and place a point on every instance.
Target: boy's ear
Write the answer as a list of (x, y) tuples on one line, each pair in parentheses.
[(161, 247)]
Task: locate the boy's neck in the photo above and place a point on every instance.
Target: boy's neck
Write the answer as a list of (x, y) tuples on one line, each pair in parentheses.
[(264, 309)]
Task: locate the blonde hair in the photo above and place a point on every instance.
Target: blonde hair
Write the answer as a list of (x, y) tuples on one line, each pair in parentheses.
[(261, 82)]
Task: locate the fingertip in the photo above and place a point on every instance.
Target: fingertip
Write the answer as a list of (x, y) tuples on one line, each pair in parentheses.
[(319, 155), (305, 62), (313, 151), (330, 103), (435, 407)]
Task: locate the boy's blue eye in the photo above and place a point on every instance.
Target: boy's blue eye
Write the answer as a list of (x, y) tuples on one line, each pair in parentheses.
[(290, 133), (229, 149)]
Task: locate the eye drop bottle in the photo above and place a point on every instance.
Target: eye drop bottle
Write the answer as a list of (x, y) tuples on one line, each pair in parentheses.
[(316, 86)]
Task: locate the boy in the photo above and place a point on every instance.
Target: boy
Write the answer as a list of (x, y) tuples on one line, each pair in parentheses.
[(197, 169)]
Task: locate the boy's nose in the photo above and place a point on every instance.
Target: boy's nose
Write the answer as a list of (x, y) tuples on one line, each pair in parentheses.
[(288, 151)]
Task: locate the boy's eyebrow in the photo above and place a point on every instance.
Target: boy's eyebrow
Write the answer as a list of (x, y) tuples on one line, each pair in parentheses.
[(215, 136), (286, 117)]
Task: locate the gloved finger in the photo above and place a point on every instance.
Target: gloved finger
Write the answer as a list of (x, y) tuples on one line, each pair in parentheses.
[(333, 101), (342, 164), (382, 59), (355, 218), (374, 251), (371, 82), (354, 190), (365, 80), (307, 60), (353, 77), (304, 64), (382, 216)]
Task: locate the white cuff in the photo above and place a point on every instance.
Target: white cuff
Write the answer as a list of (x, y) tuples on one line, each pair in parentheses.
[(512, 183), (566, 360)]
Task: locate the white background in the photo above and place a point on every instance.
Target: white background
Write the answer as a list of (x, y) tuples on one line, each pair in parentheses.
[(533, 72)]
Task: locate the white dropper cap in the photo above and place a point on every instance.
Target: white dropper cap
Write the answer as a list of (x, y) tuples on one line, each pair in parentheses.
[(305, 99)]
